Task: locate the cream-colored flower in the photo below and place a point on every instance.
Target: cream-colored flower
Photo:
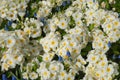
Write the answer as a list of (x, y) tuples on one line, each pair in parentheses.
[(25, 75), (63, 24), (45, 74), (10, 42), (33, 75), (5, 66), (62, 75)]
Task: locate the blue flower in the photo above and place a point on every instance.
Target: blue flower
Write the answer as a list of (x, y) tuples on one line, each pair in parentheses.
[(68, 1), (35, 14), (6, 28), (13, 78), (42, 19), (9, 23), (60, 58), (68, 54), (4, 77), (109, 44), (64, 3)]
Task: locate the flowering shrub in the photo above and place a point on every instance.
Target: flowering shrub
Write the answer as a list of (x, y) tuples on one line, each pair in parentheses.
[(59, 40)]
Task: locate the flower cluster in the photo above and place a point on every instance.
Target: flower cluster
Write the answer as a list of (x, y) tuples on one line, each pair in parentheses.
[(48, 45), (99, 67), (45, 7), (32, 27), (10, 9)]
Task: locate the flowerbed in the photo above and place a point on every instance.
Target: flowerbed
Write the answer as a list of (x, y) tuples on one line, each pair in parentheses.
[(59, 40)]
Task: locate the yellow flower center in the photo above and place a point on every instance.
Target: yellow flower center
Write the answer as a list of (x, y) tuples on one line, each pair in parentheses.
[(45, 73), (10, 62), (93, 58), (108, 69), (9, 41), (63, 24), (62, 74)]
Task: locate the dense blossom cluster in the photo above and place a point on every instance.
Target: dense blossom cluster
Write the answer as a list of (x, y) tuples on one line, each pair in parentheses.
[(45, 7), (49, 48), (9, 9)]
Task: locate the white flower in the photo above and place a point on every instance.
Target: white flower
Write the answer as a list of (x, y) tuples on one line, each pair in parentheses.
[(45, 74), (46, 57), (52, 27), (53, 75), (11, 63), (42, 66), (3, 13), (22, 6), (81, 60), (99, 74), (78, 65), (5, 66), (62, 75), (69, 77), (11, 16), (18, 58), (116, 23), (98, 45), (90, 13), (92, 58), (108, 27), (68, 12), (14, 25), (53, 67), (79, 23), (10, 42), (46, 48), (110, 69), (113, 37), (33, 75), (61, 66), (90, 3), (25, 75), (27, 31), (5, 57), (88, 77), (73, 72), (36, 33), (77, 16), (63, 24), (53, 43), (62, 52), (102, 64)]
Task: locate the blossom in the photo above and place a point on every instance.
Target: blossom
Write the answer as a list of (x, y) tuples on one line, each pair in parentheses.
[(45, 74), (33, 75), (25, 75), (63, 24), (10, 42)]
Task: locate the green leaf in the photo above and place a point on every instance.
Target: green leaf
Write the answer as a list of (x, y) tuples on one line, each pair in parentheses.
[(39, 58), (91, 27)]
